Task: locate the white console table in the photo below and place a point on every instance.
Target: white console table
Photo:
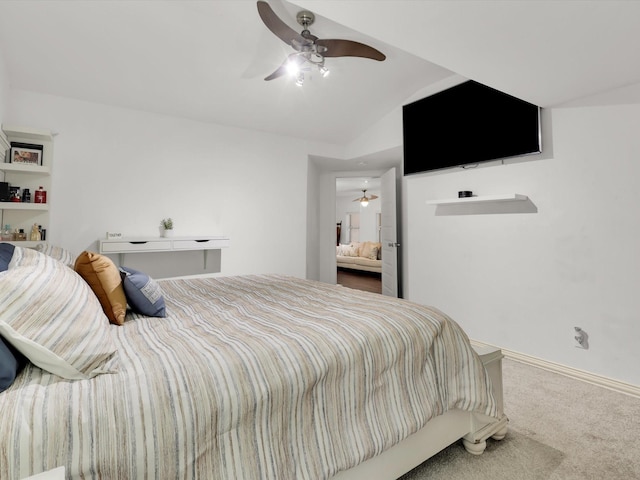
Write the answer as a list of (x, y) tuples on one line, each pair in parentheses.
[(121, 246)]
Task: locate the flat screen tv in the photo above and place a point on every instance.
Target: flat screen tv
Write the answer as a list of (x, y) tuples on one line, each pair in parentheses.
[(467, 124)]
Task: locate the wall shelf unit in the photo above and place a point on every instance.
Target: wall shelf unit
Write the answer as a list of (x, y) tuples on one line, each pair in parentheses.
[(24, 215), (24, 206), (509, 197)]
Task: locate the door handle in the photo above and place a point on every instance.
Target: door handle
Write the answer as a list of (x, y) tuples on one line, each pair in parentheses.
[(391, 244)]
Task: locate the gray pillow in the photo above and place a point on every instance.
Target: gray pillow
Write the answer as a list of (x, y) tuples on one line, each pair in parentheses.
[(143, 293), (6, 254), (11, 362)]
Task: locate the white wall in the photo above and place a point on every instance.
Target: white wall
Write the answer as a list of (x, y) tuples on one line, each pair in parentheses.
[(313, 221), (4, 87), (122, 170), (523, 281), (368, 221)]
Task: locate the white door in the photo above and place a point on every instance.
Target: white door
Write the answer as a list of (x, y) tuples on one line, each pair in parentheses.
[(389, 234)]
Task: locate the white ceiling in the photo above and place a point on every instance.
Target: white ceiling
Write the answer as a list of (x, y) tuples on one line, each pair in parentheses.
[(353, 186), (206, 60)]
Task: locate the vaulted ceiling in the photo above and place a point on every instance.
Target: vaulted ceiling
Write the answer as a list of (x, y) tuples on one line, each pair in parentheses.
[(206, 60)]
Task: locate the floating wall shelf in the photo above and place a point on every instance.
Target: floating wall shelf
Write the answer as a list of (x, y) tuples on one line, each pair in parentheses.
[(510, 197)]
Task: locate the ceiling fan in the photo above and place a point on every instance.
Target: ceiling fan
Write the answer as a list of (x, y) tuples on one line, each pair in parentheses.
[(364, 200), (310, 51)]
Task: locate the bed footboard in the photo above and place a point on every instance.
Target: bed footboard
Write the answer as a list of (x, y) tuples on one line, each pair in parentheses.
[(475, 442), (440, 432)]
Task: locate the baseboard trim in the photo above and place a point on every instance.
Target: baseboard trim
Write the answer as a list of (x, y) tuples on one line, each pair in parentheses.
[(575, 373)]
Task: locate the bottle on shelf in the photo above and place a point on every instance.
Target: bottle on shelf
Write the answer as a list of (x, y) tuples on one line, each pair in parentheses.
[(26, 195), (35, 233), (6, 236), (14, 194), (40, 195)]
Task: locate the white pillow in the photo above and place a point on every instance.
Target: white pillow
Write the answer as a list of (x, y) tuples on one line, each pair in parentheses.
[(49, 314), (346, 250)]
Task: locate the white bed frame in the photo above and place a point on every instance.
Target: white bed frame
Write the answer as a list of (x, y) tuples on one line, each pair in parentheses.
[(439, 433)]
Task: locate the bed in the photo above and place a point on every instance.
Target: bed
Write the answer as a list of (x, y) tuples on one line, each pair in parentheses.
[(252, 377)]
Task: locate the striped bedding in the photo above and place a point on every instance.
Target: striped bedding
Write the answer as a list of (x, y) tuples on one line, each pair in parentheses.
[(249, 377)]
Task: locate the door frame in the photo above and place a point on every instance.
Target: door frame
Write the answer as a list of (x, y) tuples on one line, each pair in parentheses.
[(321, 208)]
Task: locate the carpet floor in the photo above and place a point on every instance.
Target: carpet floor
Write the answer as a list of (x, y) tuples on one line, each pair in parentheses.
[(559, 428)]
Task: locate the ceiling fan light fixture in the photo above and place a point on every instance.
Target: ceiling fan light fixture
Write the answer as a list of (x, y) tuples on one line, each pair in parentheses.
[(364, 200), (293, 68), (310, 50)]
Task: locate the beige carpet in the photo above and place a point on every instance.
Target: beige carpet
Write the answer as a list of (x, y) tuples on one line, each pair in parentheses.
[(560, 429)]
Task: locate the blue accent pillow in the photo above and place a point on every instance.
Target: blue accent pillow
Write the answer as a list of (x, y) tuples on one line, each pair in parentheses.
[(11, 362), (143, 293), (6, 253)]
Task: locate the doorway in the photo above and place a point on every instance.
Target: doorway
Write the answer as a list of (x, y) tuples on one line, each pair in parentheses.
[(359, 219), (358, 250), (321, 206)]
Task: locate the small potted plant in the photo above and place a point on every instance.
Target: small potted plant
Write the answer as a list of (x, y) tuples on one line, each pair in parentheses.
[(166, 226)]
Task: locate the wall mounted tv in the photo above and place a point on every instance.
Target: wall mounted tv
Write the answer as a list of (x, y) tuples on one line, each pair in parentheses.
[(467, 124)]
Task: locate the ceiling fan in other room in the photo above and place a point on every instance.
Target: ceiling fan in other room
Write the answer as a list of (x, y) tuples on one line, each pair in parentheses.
[(364, 200), (310, 51)]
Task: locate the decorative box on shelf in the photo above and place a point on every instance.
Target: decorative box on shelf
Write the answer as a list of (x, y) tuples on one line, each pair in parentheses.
[(510, 197)]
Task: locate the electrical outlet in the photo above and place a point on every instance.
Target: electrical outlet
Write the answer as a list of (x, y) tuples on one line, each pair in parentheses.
[(113, 235)]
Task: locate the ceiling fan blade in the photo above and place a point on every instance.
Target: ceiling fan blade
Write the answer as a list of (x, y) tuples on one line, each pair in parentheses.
[(349, 48), (373, 197), (281, 30), (280, 71), (283, 69)]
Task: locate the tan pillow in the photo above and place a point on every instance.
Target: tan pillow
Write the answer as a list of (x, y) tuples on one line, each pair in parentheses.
[(379, 245), (103, 277), (369, 250)]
